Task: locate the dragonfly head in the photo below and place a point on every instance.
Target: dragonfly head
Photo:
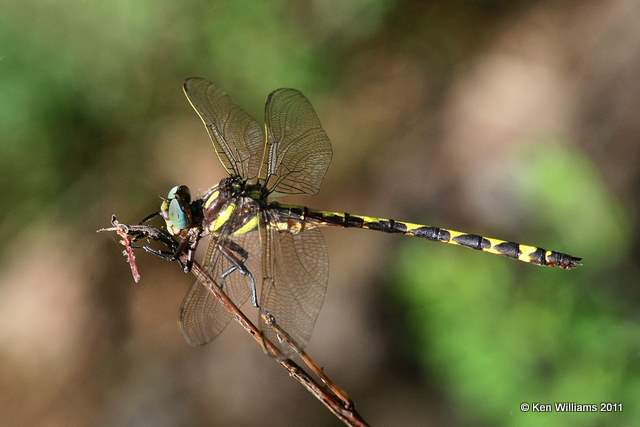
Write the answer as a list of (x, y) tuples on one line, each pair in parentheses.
[(176, 210)]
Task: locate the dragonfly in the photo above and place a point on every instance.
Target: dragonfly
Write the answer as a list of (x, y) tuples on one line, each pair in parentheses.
[(255, 241)]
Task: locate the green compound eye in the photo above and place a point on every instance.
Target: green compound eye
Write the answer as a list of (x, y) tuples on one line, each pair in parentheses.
[(175, 210), (177, 215)]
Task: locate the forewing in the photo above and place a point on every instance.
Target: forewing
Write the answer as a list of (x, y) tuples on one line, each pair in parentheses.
[(296, 270), (202, 317), (236, 136), (298, 150)]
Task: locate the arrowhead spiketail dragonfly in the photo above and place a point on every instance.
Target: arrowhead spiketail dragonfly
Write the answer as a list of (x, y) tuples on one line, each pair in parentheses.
[(256, 242)]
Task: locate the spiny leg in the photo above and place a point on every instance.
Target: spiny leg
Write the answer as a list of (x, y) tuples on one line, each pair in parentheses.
[(148, 217), (191, 250), (238, 264), (189, 244), (165, 255), (246, 273)]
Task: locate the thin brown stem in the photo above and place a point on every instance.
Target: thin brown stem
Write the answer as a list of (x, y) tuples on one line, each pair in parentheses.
[(270, 320), (332, 396), (340, 405)]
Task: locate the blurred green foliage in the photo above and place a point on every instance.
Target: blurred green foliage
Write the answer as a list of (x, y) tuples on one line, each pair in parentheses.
[(566, 193), (500, 333), (78, 78), (74, 75)]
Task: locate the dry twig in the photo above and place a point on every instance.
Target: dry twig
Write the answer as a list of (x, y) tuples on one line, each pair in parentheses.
[(332, 396), (123, 232)]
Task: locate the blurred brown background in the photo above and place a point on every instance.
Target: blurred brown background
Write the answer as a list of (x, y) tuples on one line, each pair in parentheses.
[(514, 119)]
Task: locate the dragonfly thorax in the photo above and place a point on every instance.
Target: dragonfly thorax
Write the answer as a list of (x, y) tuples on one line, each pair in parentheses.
[(232, 202)]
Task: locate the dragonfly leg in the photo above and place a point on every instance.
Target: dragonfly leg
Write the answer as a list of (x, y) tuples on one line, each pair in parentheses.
[(191, 250), (238, 264), (252, 287), (188, 244), (246, 273), (165, 255), (252, 282), (148, 217), (244, 255)]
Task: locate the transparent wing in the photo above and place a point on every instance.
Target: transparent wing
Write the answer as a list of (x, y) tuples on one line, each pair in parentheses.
[(236, 136), (298, 150), (202, 317), (296, 270)]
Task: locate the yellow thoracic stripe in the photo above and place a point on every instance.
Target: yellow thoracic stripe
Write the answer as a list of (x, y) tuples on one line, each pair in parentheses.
[(211, 199), (248, 226), (222, 217)]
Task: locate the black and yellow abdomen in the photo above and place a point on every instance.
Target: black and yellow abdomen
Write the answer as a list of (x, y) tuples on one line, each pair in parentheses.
[(517, 251)]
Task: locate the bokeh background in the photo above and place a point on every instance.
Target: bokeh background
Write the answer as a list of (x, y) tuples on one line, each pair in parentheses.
[(514, 119)]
